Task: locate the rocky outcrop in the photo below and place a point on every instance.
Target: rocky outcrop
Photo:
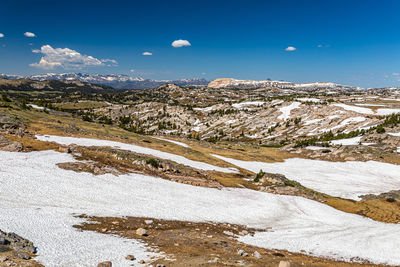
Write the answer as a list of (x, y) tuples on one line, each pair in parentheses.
[(10, 125), (8, 145), (16, 242)]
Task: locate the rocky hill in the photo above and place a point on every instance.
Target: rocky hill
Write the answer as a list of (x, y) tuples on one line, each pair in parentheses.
[(253, 84)]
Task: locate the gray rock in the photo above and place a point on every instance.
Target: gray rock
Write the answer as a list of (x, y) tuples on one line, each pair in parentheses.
[(257, 255), (17, 242), (23, 255), (105, 264), (242, 253), (3, 241)]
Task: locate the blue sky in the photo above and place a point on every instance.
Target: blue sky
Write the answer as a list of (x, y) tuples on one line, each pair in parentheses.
[(350, 42)]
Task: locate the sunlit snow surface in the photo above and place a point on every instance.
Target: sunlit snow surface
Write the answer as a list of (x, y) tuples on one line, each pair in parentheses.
[(287, 109), (379, 111), (37, 200), (348, 179), (65, 140)]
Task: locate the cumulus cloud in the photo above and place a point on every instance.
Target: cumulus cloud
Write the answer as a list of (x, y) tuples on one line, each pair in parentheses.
[(180, 43), (29, 34), (67, 58), (1, 35), (290, 48), (147, 54)]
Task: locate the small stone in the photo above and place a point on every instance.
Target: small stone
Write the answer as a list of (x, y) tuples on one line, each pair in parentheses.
[(3, 241), (142, 262), (229, 233), (284, 264), (130, 258), (141, 231), (215, 260), (257, 255), (148, 221), (105, 264), (242, 253), (23, 255), (160, 265), (3, 259), (244, 232)]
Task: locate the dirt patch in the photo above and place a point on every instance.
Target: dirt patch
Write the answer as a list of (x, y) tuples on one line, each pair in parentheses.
[(201, 244)]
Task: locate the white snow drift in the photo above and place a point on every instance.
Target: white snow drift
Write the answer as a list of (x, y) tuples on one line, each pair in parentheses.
[(287, 109), (348, 179), (37, 200), (65, 140), (379, 111)]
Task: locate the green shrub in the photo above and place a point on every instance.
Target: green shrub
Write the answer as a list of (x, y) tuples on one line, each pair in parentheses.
[(259, 175), (153, 162)]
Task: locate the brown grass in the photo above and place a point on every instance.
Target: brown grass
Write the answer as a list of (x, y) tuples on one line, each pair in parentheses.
[(195, 244)]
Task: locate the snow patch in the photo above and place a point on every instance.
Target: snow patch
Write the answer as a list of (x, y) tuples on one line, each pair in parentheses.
[(286, 110), (252, 103), (347, 142), (66, 140), (348, 179), (42, 205)]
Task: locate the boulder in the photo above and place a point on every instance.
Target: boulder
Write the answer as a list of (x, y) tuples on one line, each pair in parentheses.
[(23, 255), (130, 258), (284, 264), (242, 253), (105, 264), (257, 255), (17, 242), (141, 232)]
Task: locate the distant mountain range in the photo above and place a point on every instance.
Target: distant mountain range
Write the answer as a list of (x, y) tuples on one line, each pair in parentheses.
[(114, 80)]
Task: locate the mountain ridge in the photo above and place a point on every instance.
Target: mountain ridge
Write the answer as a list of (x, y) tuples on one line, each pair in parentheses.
[(117, 81)]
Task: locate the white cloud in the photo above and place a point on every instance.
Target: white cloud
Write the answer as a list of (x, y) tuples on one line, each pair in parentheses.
[(180, 43), (290, 48), (1, 35), (320, 46), (132, 70), (147, 54), (29, 34), (109, 62), (66, 58), (396, 74)]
